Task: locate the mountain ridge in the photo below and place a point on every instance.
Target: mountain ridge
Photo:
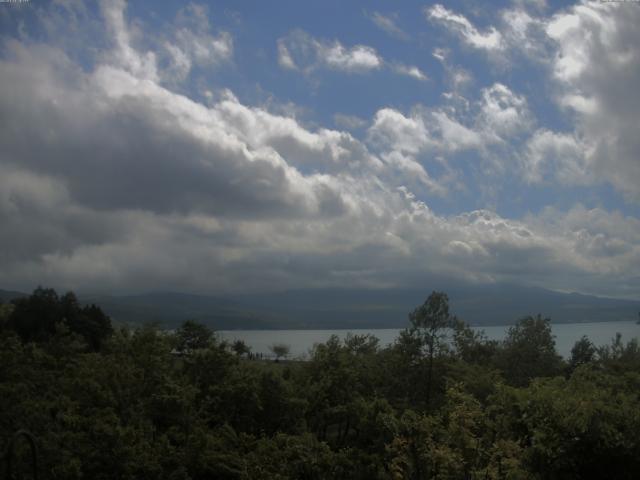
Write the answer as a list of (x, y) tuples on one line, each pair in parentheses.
[(334, 308)]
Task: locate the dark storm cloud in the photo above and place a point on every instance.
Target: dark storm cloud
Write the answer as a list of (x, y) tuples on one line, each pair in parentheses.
[(134, 151)]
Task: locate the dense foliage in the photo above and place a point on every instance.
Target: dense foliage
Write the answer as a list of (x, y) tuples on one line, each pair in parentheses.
[(442, 402)]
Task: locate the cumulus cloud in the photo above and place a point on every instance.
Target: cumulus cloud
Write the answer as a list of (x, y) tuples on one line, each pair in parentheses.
[(503, 112), (600, 243), (597, 71), (441, 139), (498, 116), (226, 160), (391, 130), (112, 181), (554, 156), (589, 51)]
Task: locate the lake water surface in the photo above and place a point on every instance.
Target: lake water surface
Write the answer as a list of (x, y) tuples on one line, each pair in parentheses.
[(301, 341)]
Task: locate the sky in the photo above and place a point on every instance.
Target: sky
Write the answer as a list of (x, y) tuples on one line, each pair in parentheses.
[(237, 146)]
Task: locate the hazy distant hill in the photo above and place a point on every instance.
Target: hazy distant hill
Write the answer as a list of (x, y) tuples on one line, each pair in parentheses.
[(478, 305), (356, 308), (170, 309), (8, 295)]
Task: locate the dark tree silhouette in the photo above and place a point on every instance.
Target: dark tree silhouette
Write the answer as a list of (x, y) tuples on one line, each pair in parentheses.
[(193, 335), (280, 350), (240, 348), (430, 323), (35, 318)]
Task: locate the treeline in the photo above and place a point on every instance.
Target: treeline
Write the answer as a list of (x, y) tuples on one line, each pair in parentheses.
[(442, 402)]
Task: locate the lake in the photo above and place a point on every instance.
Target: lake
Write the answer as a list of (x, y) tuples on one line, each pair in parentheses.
[(301, 341)]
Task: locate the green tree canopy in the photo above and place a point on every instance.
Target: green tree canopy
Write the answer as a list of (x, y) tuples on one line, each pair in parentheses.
[(529, 351), (192, 336), (431, 324), (583, 352)]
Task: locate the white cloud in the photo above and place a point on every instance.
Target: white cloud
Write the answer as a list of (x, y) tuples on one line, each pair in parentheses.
[(112, 181), (423, 134), (600, 243), (597, 75), (481, 135), (556, 156), (301, 52), (324, 149), (413, 172), (500, 115), (192, 44), (440, 54), (124, 54), (459, 24), (460, 78), (587, 48), (409, 71), (457, 77), (504, 113), (354, 59), (388, 23), (524, 35), (349, 122), (454, 135), (539, 5), (284, 57), (391, 130), (186, 44), (519, 36)]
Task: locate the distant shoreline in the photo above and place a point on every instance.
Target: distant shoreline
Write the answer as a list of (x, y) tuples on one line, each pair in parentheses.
[(349, 329)]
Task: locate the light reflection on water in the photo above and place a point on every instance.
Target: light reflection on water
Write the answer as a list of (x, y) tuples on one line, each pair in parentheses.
[(301, 341)]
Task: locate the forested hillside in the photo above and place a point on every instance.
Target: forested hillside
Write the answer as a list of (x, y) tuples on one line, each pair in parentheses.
[(442, 402)]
